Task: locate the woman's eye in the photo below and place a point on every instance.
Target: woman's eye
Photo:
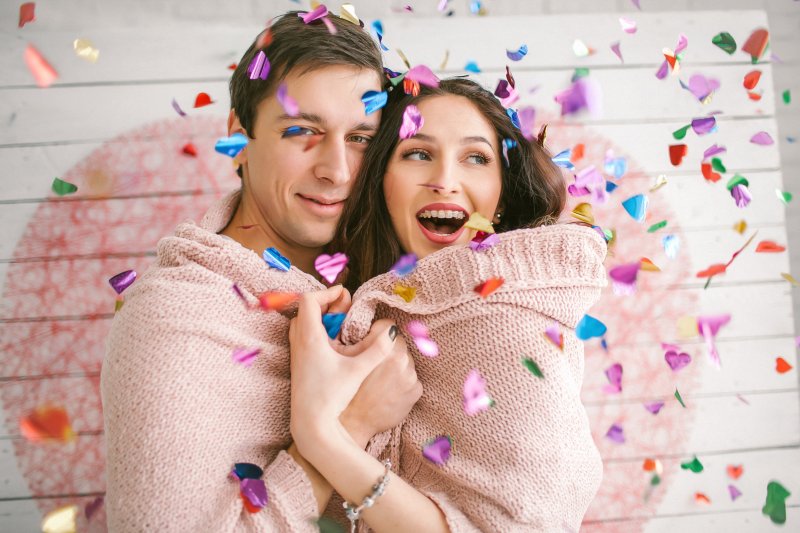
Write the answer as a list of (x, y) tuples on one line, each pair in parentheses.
[(416, 155), (296, 131), (478, 159)]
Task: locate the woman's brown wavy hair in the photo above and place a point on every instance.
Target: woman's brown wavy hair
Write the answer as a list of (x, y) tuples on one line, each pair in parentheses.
[(533, 189)]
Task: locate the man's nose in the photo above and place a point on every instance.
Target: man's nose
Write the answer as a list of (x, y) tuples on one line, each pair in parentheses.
[(333, 165)]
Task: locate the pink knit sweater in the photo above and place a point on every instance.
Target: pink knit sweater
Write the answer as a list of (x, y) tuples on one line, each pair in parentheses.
[(529, 463)]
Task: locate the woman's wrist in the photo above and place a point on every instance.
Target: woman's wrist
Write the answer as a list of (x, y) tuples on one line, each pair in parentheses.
[(321, 442), (356, 430)]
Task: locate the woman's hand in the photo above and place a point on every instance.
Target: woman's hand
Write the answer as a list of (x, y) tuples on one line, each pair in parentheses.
[(385, 398), (324, 380)]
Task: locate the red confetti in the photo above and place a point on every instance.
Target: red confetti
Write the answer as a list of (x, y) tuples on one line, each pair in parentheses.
[(47, 423), (754, 96), (699, 497), (769, 247), (676, 153), (735, 472), (489, 286), (190, 149), (757, 43), (26, 13), (45, 74), (232, 66), (751, 79), (202, 99), (782, 366), (713, 270), (708, 173)]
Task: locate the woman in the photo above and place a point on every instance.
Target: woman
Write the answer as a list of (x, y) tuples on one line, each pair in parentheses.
[(522, 455)]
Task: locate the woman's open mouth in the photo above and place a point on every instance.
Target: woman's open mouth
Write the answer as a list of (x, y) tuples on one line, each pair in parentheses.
[(442, 223)]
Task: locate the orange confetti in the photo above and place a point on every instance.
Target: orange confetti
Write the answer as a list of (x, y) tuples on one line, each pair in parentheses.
[(769, 247), (699, 497), (45, 74), (202, 99), (489, 286), (713, 270), (735, 472), (277, 301), (754, 96), (652, 465), (577, 152), (26, 13), (782, 366), (648, 266), (47, 423), (708, 173)]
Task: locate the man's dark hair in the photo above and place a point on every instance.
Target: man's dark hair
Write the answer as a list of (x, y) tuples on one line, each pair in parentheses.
[(293, 44)]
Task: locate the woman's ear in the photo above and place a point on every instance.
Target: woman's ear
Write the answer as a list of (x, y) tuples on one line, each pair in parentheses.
[(234, 126), (498, 214)]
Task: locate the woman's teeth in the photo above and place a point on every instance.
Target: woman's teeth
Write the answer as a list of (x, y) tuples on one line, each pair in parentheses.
[(442, 214)]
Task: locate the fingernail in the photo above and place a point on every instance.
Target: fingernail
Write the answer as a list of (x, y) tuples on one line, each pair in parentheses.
[(393, 332)]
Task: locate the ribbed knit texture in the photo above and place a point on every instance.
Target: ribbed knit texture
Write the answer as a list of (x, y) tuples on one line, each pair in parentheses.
[(529, 463)]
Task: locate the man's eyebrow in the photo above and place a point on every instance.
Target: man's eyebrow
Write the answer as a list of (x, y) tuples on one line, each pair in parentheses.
[(316, 119), (464, 140), (365, 127)]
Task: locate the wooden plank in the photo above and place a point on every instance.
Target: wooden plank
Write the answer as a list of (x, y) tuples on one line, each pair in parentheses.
[(744, 520), (206, 50)]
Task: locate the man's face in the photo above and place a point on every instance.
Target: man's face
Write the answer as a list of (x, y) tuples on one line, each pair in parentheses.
[(298, 171)]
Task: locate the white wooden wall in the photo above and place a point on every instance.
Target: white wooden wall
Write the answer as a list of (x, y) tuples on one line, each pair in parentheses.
[(110, 129)]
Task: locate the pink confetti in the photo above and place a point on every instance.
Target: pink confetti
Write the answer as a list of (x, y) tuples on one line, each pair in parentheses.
[(614, 375), (584, 93), (437, 450), (316, 14), (734, 492), (714, 150), (476, 398), (412, 122), (330, 266), (483, 241), (419, 332), (677, 359), (654, 407), (762, 138), (615, 434), (527, 116), (288, 103), (259, 66), (628, 25), (554, 334), (245, 356), (424, 75), (44, 74), (329, 24), (709, 326), (624, 277), (615, 48), (701, 87)]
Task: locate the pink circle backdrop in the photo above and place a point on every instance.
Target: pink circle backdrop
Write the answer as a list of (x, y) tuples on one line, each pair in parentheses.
[(136, 188)]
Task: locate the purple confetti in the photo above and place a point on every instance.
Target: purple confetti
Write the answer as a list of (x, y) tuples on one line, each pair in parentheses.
[(701, 87), (405, 265), (483, 241), (614, 375), (288, 103), (615, 48), (437, 450), (526, 116), (245, 356), (615, 434), (177, 108), (316, 14), (734, 492), (654, 407), (584, 93), (741, 195), (255, 491), (259, 66), (123, 280), (624, 277), (423, 75), (677, 360), (762, 138), (714, 150), (704, 125)]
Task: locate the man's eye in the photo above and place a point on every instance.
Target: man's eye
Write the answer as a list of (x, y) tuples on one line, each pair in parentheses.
[(360, 139), (296, 131)]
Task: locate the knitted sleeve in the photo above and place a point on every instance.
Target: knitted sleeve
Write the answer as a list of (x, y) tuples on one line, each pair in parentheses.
[(179, 412)]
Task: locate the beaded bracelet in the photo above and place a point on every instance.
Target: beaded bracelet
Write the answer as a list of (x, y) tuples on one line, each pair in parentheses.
[(354, 513)]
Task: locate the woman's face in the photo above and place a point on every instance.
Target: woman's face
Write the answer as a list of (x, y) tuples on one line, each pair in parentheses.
[(435, 180)]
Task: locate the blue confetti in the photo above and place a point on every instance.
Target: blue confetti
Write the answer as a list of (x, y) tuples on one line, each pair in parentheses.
[(247, 471), (377, 27), (374, 100), (512, 114), (671, 244), (274, 259), (616, 167), (636, 206), (333, 323), (516, 55), (473, 67), (562, 159), (589, 327), (231, 146), (405, 265), (610, 186)]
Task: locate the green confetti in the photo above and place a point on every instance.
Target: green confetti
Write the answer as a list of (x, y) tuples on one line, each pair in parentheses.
[(775, 508), (656, 480), (657, 226), (118, 304), (694, 465), (787, 96), (678, 394), (725, 42), (326, 525), (680, 133), (63, 188), (580, 72), (531, 365), (737, 179), (784, 197), (716, 164)]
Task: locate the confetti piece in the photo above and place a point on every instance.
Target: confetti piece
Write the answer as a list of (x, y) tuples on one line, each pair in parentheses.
[(694, 465), (623, 277), (532, 367), (615, 166), (419, 333), (506, 93), (406, 293), (476, 399), (589, 327), (288, 103), (479, 223), (708, 173), (762, 138), (333, 323), (254, 494), (741, 195), (782, 366), (671, 245), (61, 520), (259, 66), (483, 241), (516, 55), (177, 108), (734, 492), (735, 471), (677, 360), (377, 27), (43, 73), (202, 100), (330, 266), (615, 47), (315, 14), (680, 133), (277, 301), (473, 67), (583, 212), (676, 153), (660, 181), (122, 281), (788, 277), (653, 465), (62, 188), (412, 122), (775, 507), (654, 407), (709, 326), (489, 286), (405, 265), (231, 146), (628, 25), (275, 260), (245, 356), (787, 96), (769, 247), (614, 375), (583, 94), (86, 50), (680, 400), (756, 44), (348, 13), (657, 226), (47, 423), (554, 335), (714, 150), (702, 87), (672, 58), (616, 434), (740, 227), (580, 49), (424, 75), (246, 471), (699, 497), (751, 79), (437, 450), (725, 42), (92, 507), (784, 197), (374, 100), (636, 206), (704, 125), (189, 149), (26, 13), (118, 303)]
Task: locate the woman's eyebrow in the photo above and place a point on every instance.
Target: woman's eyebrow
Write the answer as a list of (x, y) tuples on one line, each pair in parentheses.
[(464, 140)]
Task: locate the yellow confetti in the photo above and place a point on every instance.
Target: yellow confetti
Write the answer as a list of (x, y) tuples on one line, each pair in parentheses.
[(348, 13), (403, 57), (479, 223), (86, 50), (583, 212), (788, 277), (649, 266), (740, 227), (61, 520), (406, 293), (661, 180), (443, 65), (687, 327)]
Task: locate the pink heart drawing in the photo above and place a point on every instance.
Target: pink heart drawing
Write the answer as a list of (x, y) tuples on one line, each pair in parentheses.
[(330, 266)]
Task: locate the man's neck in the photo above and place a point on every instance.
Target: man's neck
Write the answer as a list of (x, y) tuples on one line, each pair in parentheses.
[(249, 229)]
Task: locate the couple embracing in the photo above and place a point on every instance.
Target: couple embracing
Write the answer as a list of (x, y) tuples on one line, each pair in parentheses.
[(439, 404)]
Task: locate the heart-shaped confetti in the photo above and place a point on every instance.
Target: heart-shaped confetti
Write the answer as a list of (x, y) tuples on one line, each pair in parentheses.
[(636, 206), (735, 471), (476, 399), (769, 247), (725, 42), (275, 260), (245, 356), (122, 281), (708, 173), (231, 146), (762, 138), (614, 375), (202, 99), (277, 301), (519, 53), (47, 423), (412, 122), (589, 327), (374, 100), (782, 366), (406, 293), (775, 507), (437, 450), (330, 266), (333, 323), (756, 44), (419, 333), (677, 360), (751, 79), (615, 434), (702, 87), (676, 153), (489, 286)]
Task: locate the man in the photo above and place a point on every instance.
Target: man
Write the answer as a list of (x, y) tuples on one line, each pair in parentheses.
[(179, 409)]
